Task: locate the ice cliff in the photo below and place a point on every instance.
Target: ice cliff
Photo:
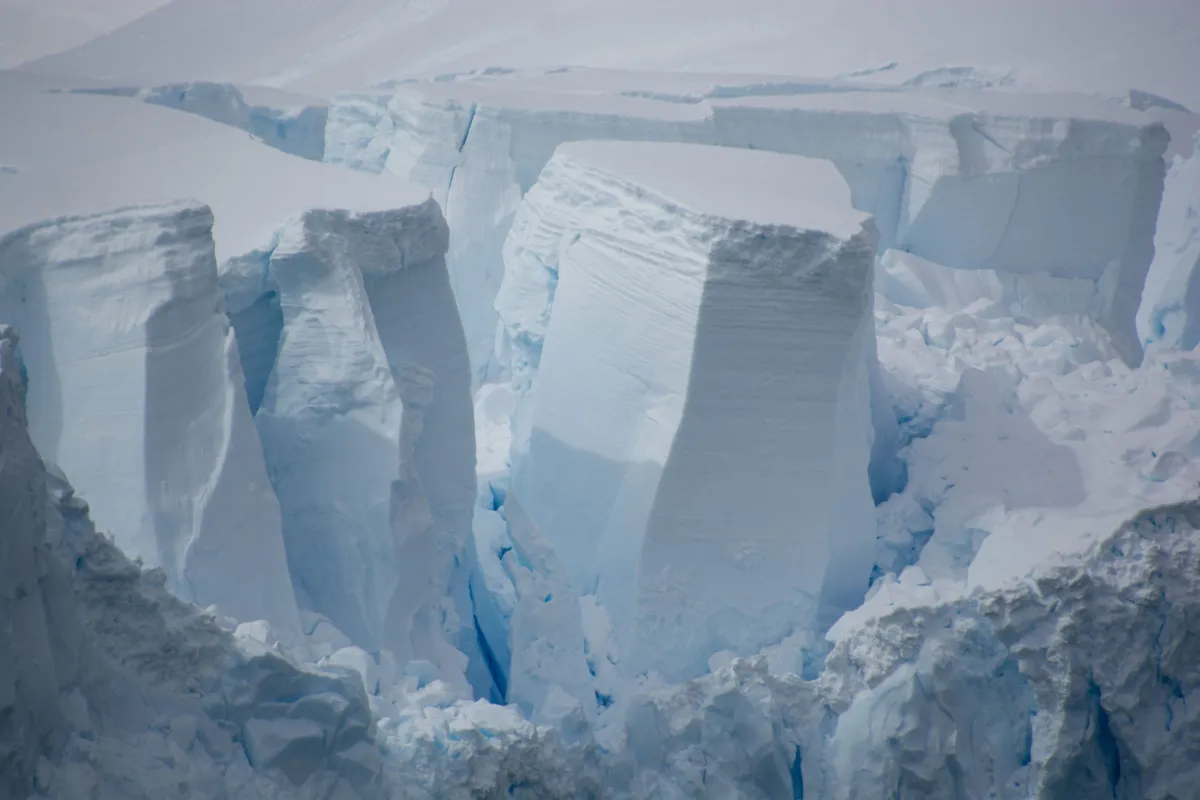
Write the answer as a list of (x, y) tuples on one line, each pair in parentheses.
[(367, 425), (1061, 185), (705, 329), (136, 388)]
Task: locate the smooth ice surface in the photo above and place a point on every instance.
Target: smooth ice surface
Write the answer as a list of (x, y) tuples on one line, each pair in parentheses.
[(698, 435)]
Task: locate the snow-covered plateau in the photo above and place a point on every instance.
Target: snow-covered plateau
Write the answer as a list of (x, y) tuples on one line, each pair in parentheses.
[(444, 399)]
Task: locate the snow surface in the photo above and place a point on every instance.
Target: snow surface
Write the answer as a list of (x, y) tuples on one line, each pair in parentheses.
[(1169, 315)]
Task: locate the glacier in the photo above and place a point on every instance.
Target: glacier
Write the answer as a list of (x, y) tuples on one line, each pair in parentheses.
[(259, 371), (742, 304)]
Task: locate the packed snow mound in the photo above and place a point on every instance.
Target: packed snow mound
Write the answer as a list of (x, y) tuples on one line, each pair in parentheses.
[(112, 687), (324, 46), (696, 444), (1062, 185), (366, 421), (124, 338)]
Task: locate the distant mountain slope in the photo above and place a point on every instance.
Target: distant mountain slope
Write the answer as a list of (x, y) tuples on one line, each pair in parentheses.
[(32, 29), (321, 46)]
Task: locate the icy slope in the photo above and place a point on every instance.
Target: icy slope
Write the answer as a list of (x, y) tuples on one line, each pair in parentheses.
[(111, 687), (322, 46), (1062, 185), (696, 444)]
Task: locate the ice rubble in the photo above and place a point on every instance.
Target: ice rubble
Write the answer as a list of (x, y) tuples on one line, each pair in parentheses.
[(627, 456), (1054, 184)]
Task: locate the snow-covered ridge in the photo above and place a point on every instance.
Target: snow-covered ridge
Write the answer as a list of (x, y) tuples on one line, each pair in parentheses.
[(964, 178)]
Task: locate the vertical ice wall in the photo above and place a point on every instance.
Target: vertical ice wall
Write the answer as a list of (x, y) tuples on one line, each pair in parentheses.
[(367, 426), (1170, 310), (136, 389), (699, 434)]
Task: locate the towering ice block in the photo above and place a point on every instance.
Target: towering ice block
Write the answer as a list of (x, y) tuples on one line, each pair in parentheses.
[(367, 426), (696, 445), (136, 388)]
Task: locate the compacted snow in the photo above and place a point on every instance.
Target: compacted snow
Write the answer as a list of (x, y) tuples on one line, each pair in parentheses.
[(615, 413)]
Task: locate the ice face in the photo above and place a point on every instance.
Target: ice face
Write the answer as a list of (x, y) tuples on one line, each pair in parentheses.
[(136, 388), (366, 423), (700, 427)]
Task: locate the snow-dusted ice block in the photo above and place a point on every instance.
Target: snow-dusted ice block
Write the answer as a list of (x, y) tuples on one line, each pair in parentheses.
[(696, 445), (367, 425), (135, 387)]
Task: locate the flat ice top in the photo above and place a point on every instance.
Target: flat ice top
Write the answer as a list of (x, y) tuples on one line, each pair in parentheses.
[(72, 154), (323, 46), (752, 185)]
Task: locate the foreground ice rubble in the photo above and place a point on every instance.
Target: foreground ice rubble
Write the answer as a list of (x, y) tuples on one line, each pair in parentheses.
[(695, 445), (1066, 186)]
